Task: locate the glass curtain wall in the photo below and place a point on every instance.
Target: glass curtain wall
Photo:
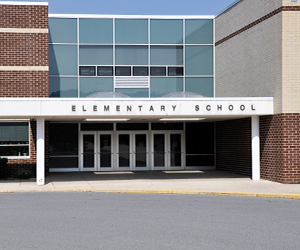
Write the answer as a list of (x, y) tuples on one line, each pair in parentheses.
[(138, 57)]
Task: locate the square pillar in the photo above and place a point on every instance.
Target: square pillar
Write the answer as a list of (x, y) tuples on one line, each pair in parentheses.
[(255, 148), (40, 151)]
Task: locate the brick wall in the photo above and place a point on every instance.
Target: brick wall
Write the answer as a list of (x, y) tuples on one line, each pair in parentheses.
[(24, 49), (24, 64), (24, 84), (233, 146), (249, 62), (280, 148), (24, 16)]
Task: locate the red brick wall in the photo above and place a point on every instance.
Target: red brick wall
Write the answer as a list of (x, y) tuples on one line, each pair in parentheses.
[(280, 148), (24, 49), (24, 84), (233, 146), (23, 16)]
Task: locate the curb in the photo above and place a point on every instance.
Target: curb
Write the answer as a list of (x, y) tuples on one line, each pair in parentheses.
[(155, 191)]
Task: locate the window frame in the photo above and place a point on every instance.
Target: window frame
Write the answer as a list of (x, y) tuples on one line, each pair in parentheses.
[(19, 145)]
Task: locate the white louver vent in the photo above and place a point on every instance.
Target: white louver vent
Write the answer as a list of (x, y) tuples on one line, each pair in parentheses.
[(132, 82)]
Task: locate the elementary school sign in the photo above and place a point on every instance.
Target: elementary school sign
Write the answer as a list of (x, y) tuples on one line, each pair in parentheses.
[(92, 107)]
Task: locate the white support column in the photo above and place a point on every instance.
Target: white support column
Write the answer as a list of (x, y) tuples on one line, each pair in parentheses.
[(40, 151), (255, 149)]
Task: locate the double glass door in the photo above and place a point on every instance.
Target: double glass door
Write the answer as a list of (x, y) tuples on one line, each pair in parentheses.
[(167, 153), (131, 151), (126, 151), (97, 151)]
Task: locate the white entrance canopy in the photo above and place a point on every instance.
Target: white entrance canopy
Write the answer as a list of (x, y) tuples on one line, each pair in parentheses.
[(68, 108), (62, 109)]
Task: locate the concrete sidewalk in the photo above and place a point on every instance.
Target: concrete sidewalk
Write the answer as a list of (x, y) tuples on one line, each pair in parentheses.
[(179, 182)]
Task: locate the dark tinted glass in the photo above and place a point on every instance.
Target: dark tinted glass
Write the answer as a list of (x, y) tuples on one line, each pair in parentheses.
[(167, 126), (200, 160), (105, 151), (63, 139), (158, 71), (159, 150), (88, 151), (63, 162), (14, 133), (132, 126), (97, 126), (14, 151), (123, 71), (175, 71), (87, 71), (124, 152), (105, 71), (140, 71), (199, 138)]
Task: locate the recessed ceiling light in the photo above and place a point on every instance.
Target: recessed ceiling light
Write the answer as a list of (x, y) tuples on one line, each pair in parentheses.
[(182, 119), (106, 120)]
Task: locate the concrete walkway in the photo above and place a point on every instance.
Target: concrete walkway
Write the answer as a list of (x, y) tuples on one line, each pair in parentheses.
[(179, 182)]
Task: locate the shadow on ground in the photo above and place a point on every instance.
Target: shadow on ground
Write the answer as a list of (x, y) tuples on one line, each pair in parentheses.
[(143, 175)]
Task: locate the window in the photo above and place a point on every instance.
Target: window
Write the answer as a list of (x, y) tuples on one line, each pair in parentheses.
[(175, 71), (105, 71), (123, 71), (158, 71), (14, 139), (140, 71), (63, 145), (87, 70)]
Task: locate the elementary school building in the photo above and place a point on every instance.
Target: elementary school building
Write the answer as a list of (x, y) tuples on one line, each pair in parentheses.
[(135, 93)]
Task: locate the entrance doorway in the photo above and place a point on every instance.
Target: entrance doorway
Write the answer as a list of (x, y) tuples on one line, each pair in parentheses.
[(96, 151), (167, 150), (131, 150)]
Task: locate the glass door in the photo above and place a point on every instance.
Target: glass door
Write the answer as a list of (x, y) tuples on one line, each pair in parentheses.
[(105, 151), (88, 149), (140, 151), (167, 150), (124, 151), (159, 159), (175, 151)]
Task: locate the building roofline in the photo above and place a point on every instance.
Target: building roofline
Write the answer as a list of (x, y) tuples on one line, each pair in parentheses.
[(23, 3), (229, 7), (132, 16)]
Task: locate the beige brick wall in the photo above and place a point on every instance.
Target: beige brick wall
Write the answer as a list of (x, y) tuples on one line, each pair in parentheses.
[(249, 64), (291, 61), (261, 60), (242, 14), (289, 3)]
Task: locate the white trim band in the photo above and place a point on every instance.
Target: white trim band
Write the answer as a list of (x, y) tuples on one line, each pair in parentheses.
[(24, 68), (24, 3), (19, 30)]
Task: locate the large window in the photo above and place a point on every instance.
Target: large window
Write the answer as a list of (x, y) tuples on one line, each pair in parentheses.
[(129, 53), (63, 146), (14, 139)]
